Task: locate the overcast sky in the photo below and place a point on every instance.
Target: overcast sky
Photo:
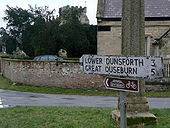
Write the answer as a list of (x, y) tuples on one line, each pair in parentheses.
[(53, 4)]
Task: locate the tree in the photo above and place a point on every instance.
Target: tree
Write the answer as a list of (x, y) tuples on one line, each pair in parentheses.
[(77, 38), (27, 27), (91, 33), (74, 39), (10, 42), (46, 37), (42, 12), (18, 22), (18, 19), (37, 31)]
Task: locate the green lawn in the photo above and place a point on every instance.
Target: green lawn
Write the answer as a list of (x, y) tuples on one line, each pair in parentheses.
[(67, 117), (55, 117), (6, 84), (163, 116)]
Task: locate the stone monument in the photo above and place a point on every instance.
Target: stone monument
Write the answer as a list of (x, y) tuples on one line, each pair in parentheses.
[(19, 53), (62, 53), (133, 38)]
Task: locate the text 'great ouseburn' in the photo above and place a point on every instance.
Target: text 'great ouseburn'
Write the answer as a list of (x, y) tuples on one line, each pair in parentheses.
[(122, 65)]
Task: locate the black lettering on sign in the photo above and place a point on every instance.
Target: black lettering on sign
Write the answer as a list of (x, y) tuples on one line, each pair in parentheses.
[(153, 63), (125, 61), (153, 71), (141, 62), (121, 70), (93, 60), (93, 68)]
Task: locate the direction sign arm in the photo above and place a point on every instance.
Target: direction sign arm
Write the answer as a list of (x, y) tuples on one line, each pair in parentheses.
[(81, 63)]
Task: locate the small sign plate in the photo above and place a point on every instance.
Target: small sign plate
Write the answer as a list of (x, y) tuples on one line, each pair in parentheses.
[(121, 84)]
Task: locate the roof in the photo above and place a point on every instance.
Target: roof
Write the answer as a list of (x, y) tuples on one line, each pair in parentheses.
[(153, 8)]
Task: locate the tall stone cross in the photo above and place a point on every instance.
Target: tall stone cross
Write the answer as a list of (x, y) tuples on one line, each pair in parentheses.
[(133, 43)]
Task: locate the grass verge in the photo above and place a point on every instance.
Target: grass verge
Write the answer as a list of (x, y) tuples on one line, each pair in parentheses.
[(6, 84), (67, 117), (55, 117)]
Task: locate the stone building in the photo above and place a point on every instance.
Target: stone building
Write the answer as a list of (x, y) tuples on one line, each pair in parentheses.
[(82, 17), (157, 27)]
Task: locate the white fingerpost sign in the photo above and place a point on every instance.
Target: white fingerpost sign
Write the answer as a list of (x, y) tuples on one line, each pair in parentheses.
[(126, 66)]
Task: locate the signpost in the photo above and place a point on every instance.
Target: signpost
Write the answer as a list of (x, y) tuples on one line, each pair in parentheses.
[(126, 66), (123, 66)]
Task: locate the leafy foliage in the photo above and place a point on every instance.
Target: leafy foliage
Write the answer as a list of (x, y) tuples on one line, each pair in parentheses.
[(74, 39), (37, 31), (18, 19), (9, 41)]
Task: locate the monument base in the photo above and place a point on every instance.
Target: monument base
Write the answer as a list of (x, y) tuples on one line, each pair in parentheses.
[(136, 119)]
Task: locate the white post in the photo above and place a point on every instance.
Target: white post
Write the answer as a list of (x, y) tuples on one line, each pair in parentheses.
[(123, 119), (1, 104)]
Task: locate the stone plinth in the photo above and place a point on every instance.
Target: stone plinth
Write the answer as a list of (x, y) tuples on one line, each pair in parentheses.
[(136, 119)]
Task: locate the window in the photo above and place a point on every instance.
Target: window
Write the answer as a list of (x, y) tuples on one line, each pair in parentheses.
[(104, 28), (147, 45)]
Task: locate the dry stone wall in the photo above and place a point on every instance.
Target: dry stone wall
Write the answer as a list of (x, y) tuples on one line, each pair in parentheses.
[(59, 75), (50, 74)]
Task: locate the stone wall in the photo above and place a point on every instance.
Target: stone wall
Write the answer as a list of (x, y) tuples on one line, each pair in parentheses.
[(158, 85), (50, 74), (60, 75)]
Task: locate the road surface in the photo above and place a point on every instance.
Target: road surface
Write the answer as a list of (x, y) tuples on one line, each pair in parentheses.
[(14, 98)]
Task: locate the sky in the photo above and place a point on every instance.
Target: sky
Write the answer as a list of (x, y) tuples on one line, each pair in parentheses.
[(53, 4)]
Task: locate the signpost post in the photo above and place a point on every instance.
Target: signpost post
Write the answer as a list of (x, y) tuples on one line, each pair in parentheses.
[(122, 85), (123, 118)]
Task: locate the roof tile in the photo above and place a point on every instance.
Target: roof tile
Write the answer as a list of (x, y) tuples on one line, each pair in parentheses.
[(153, 8)]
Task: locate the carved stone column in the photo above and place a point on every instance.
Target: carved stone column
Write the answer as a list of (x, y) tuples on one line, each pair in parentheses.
[(133, 43)]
